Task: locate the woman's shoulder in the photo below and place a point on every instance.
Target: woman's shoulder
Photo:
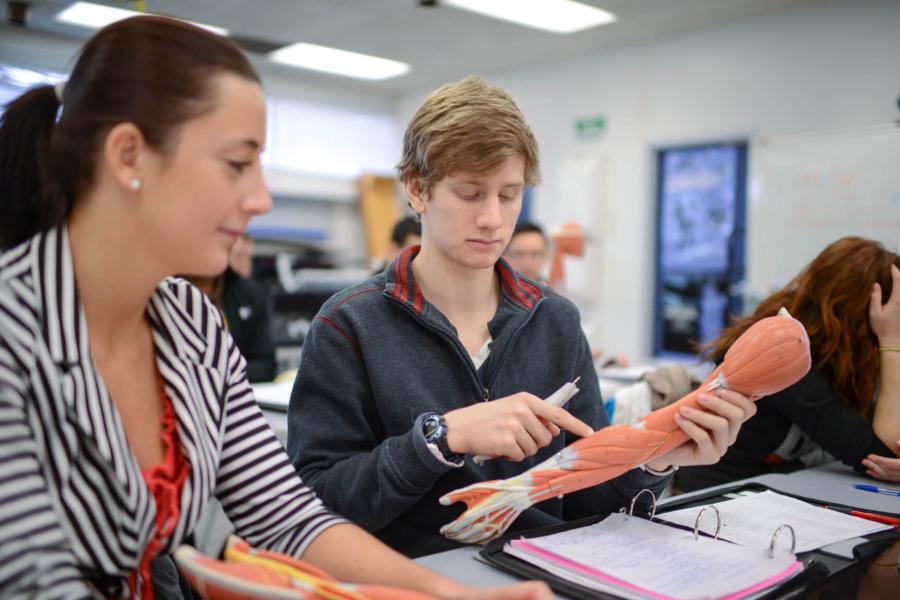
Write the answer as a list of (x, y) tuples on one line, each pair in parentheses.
[(20, 310), (187, 308), (181, 288), (17, 282), (184, 294), (16, 263)]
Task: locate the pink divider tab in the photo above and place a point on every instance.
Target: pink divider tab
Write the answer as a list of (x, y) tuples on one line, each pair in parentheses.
[(583, 569), (603, 577), (792, 568)]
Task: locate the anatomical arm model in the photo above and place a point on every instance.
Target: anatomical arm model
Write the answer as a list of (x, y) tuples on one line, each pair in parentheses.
[(770, 356), (251, 574)]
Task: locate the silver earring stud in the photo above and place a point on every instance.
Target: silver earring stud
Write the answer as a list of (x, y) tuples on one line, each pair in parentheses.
[(135, 184)]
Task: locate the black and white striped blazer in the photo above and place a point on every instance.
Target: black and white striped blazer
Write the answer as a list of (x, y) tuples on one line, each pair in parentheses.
[(75, 514)]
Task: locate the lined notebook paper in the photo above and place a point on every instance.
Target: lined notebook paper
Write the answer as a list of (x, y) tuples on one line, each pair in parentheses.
[(635, 558), (741, 518)]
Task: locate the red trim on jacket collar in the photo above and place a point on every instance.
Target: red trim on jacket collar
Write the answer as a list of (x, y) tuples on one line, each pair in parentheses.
[(519, 290), (405, 289)]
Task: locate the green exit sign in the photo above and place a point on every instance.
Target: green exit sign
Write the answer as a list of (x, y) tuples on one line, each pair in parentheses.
[(590, 126)]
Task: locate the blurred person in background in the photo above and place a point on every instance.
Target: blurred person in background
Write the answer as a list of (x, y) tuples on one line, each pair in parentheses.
[(245, 307), (241, 258), (406, 232), (528, 251)]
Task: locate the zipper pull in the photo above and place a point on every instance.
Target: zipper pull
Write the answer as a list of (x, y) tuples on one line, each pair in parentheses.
[(485, 394)]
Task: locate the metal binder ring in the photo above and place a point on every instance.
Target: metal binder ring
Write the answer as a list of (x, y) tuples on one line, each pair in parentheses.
[(718, 521), (775, 536), (636, 496)]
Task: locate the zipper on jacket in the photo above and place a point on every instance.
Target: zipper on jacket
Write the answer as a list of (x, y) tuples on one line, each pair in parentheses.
[(506, 350), (454, 341)]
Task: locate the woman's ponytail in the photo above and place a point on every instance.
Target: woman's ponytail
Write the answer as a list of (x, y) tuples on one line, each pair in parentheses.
[(29, 201)]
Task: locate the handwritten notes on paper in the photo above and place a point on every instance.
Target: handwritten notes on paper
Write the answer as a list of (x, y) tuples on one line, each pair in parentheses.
[(642, 559), (750, 521)]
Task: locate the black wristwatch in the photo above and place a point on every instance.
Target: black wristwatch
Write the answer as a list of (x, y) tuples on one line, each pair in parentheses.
[(434, 427)]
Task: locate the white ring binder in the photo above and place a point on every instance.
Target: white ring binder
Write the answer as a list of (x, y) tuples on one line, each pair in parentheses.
[(630, 512), (718, 521), (671, 564), (775, 536)]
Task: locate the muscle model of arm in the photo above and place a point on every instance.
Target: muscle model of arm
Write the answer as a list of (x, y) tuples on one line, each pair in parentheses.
[(770, 356)]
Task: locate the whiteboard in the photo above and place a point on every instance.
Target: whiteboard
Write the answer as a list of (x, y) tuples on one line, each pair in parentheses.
[(808, 190)]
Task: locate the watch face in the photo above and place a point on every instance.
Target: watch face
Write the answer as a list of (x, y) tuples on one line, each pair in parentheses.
[(430, 426)]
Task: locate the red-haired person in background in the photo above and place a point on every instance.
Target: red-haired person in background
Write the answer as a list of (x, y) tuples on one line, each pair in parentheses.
[(848, 406)]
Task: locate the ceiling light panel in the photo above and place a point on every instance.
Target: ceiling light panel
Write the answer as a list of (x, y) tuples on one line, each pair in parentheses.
[(95, 16), (338, 62), (558, 16)]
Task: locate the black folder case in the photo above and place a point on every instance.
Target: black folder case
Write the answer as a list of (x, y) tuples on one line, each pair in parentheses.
[(824, 576)]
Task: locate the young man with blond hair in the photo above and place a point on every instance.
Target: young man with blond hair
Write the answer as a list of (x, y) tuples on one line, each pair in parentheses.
[(447, 354)]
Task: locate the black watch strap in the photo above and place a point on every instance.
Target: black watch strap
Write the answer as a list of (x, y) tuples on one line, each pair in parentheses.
[(434, 426)]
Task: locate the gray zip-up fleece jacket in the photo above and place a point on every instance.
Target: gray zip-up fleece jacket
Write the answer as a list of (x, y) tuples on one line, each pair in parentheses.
[(378, 356)]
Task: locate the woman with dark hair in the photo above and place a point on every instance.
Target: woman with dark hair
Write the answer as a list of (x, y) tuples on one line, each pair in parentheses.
[(848, 406), (124, 403)]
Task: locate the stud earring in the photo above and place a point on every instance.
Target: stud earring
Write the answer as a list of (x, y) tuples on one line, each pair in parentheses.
[(135, 184)]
